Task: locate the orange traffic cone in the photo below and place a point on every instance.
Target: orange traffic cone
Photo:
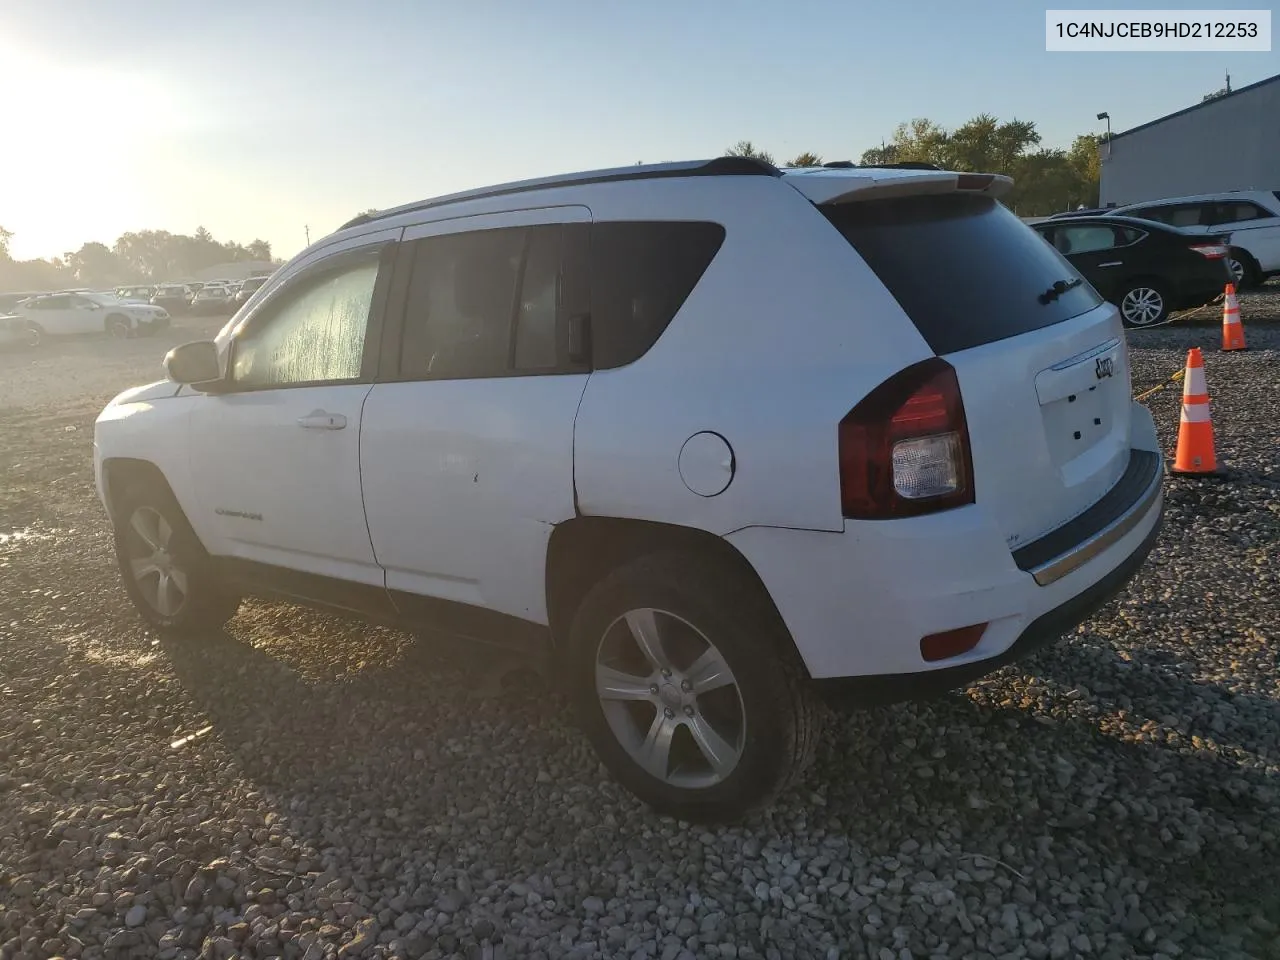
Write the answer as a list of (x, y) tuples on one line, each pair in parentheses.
[(1195, 432), (1232, 328)]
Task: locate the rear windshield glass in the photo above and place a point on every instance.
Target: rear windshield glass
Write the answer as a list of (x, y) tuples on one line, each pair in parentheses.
[(965, 269)]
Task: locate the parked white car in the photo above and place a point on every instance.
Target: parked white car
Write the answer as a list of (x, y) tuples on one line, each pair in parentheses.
[(18, 330), (698, 431), (59, 314), (1251, 217)]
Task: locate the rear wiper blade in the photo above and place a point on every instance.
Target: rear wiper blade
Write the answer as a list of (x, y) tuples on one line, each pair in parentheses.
[(1058, 289)]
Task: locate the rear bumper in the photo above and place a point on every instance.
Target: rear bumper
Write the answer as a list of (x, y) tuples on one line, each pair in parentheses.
[(858, 603), (1041, 632)]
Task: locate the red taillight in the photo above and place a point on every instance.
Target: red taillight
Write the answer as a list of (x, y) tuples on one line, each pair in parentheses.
[(1212, 251), (951, 643), (904, 450)]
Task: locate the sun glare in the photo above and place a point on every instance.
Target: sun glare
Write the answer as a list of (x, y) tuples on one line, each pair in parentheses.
[(79, 156)]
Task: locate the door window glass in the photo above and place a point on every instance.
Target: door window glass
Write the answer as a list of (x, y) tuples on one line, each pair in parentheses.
[(537, 340), (1085, 239), (460, 303), (314, 332)]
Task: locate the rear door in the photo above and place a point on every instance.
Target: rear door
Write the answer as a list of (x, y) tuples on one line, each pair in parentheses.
[(1093, 250), (1044, 374), (466, 448), (55, 315), (1251, 227)]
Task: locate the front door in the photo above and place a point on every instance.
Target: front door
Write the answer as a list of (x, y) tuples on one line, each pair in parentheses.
[(467, 459), (276, 455)]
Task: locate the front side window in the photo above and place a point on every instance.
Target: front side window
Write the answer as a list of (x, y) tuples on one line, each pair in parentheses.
[(314, 332)]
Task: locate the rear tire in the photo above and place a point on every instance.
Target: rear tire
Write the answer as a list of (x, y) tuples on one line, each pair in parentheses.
[(1243, 269), (166, 571), (1143, 303), (730, 725)]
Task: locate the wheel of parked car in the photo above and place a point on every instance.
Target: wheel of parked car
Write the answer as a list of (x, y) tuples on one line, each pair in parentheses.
[(32, 336), (1144, 303), (166, 571), (1243, 269), (689, 688), (118, 326)]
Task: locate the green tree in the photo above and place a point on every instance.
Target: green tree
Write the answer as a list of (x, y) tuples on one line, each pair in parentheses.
[(5, 237), (920, 141), (806, 159), (1045, 180), (259, 250), (745, 148), (96, 265)]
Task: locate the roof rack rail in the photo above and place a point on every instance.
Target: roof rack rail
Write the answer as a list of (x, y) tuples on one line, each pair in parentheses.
[(718, 167)]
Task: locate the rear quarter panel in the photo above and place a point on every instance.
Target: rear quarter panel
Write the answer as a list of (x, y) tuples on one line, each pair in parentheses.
[(786, 332)]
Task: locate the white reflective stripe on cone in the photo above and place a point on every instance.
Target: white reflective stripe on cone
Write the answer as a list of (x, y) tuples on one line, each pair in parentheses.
[(1195, 413), (1195, 385)]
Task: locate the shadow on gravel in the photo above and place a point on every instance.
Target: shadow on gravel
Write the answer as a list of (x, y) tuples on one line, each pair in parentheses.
[(1166, 838)]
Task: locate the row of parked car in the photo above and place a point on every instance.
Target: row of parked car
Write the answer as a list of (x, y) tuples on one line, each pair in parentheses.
[(1160, 256), (129, 311), (213, 296)]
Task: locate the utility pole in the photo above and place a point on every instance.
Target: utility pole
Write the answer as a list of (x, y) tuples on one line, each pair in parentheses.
[(307, 227)]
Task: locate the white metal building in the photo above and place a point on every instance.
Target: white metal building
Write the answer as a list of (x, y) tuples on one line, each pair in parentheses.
[(1229, 143)]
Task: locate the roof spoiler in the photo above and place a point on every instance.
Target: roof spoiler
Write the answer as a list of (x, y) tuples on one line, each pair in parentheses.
[(835, 190)]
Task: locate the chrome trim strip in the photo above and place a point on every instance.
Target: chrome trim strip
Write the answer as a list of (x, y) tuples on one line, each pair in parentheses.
[(1087, 549), (1087, 355)]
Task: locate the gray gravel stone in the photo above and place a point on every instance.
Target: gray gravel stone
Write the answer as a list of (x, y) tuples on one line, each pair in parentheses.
[(1113, 796)]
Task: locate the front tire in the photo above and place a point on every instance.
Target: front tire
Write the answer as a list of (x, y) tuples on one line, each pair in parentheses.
[(689, 688), (1143, 303), (118, 327), (166, 571)]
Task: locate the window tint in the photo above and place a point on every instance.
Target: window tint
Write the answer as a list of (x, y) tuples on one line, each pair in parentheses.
[(314, 331), (1180, 215), (54, 303), (1128, 235), (537, 339), (641, 274), (1085, 239), (1235, 212), (965, 269), (461, 297)]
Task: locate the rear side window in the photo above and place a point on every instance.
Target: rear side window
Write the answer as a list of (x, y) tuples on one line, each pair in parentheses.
[(965, 269), (641, 274), (1233, 212)]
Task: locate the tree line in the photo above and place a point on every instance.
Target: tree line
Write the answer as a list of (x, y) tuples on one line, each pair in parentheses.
[(1045, 180), (144, 256)]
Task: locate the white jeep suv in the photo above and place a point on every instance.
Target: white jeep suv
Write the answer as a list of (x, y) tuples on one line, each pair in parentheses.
[(723, 440), (1251, 217)]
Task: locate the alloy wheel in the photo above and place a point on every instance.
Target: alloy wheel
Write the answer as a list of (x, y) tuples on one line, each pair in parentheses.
[(670, 698), (1142, 306), (1237, 271), (160, 577)]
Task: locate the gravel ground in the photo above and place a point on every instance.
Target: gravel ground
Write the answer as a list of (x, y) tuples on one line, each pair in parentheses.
[(300, 786)]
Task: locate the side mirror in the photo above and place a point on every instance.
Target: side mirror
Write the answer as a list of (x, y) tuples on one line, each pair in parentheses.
[(195, 364)]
